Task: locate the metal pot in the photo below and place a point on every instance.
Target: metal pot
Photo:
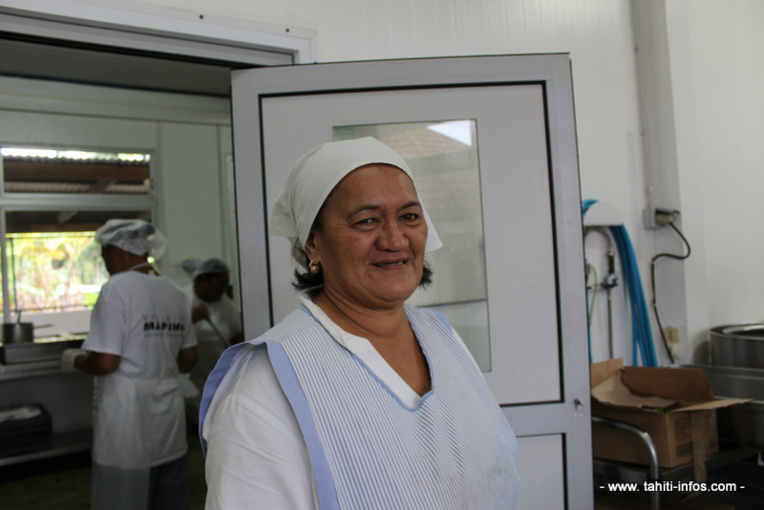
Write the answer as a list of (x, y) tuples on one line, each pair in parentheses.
[(738, 345), (18, 332), (743, 423)]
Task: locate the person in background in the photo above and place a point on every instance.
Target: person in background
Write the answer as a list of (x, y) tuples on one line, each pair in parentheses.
[(141, 337), (355, 400), (216, 320)]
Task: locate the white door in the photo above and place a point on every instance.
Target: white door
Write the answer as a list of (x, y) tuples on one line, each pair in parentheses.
[(491, 141)]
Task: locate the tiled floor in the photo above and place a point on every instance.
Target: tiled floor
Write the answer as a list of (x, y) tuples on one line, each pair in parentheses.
[(63, 483)]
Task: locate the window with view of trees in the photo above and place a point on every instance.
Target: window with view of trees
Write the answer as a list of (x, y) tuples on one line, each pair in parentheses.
[(53, 272), (52, 202)]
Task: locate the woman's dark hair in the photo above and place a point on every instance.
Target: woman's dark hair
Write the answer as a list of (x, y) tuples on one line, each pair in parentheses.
[(313, 283)]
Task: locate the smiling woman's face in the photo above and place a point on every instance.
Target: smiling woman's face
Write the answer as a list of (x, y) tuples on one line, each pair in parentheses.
[(370, 238)]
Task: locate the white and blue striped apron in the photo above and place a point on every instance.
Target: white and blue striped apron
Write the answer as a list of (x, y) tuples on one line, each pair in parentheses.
[(454, 450)]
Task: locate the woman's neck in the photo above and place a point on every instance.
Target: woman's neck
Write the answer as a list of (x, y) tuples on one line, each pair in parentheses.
[(388, 330), (377, 324)]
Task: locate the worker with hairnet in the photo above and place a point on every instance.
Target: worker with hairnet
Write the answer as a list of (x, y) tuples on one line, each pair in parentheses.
[(217, 322), (141, 337)]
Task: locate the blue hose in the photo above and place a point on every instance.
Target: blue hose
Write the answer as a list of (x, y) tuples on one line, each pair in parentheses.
[(642, 344)]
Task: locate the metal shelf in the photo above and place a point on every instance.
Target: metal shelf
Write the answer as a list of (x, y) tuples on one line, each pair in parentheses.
[(26, 370)]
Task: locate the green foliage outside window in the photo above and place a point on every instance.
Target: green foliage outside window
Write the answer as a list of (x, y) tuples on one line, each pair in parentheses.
[(53, 272)]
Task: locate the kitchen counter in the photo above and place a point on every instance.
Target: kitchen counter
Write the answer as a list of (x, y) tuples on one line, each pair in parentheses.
[(31, 369), (41, 355)]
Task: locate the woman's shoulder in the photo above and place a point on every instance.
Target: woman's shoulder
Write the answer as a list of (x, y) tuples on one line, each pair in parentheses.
[(246, 367), (297, 324)]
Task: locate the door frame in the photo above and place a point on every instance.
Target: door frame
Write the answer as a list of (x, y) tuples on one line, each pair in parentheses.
[(155, 29), (570, 417)]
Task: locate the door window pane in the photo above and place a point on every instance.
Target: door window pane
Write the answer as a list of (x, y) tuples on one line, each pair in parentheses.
[(444, 159)]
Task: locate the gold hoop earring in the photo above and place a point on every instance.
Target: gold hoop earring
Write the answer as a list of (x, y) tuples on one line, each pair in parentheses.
[(314, 267)]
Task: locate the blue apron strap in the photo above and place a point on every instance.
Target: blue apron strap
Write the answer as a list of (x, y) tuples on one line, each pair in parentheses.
[(213, 381), (327, 493), (442, 319)]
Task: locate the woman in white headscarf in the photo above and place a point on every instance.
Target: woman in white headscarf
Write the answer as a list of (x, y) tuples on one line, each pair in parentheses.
[(355, 400), (140, 338)]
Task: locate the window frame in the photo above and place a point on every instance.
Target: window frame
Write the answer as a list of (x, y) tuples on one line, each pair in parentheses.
[(10, 202)]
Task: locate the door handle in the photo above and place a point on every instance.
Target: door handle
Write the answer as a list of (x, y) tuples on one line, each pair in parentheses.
[(579, 407)]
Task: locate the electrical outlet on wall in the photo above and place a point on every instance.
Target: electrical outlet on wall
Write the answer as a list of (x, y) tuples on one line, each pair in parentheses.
[(672, 335), (660, 217), (673, 340)]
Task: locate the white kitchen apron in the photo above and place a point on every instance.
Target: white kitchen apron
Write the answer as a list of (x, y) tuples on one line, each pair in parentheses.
[(139, 423)]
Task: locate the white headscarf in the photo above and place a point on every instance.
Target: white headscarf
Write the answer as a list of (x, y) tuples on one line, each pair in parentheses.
[(133, 236), (316, 174)]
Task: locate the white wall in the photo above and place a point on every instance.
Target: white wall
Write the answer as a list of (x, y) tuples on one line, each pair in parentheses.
[(718, 77), (190, 197), (597, 33), (711, 80)]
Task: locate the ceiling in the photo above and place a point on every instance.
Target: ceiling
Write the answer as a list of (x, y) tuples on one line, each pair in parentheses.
[(43, 59)]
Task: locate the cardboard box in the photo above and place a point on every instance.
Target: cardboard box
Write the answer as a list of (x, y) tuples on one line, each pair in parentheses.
[(675, 406)]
